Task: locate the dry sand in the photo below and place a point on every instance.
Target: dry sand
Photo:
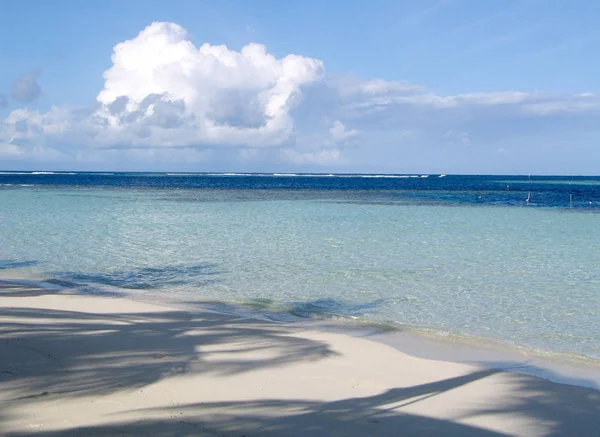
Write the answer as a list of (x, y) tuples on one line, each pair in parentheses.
[(73, 365)]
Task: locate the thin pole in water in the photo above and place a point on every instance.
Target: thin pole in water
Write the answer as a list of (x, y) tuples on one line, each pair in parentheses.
[(570, 201)]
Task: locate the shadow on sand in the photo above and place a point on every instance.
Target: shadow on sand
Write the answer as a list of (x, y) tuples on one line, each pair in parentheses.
[(57, 354)]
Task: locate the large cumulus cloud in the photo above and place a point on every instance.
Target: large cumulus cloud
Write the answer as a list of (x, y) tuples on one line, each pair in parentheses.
[(162, 91), (166, 100)]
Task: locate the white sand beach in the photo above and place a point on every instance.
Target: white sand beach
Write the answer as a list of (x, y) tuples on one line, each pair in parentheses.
[(74, 365)]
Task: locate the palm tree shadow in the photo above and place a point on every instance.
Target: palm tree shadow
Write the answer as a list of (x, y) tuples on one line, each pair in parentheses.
[(76, 354), (73, 354), (377, 415), (10, 289)]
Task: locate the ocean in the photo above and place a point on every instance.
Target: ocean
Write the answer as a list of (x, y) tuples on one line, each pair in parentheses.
[(510, 259)]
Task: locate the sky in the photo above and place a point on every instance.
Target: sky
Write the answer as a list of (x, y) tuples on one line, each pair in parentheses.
[(428, 86)]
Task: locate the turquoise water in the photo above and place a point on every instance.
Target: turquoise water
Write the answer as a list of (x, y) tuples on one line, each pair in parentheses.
[(529, 276)]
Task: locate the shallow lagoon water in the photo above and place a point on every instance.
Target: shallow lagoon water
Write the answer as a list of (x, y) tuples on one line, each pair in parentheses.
[(461, 255)]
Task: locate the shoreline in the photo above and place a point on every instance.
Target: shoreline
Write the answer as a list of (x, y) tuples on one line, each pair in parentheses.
[(419, 342), (74, 364), (426, 343)]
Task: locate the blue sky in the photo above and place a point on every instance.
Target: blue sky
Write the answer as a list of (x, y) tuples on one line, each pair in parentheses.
[(455, 86)]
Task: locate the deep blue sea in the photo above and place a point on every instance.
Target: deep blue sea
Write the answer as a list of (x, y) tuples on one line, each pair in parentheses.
[(514, 259)]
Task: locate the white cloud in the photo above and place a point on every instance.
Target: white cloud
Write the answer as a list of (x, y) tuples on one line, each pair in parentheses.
[(339, 133), (10, 150), (167, 101), (36, 152), (354, 88), (321, 157), (162, 91), (379, 95)]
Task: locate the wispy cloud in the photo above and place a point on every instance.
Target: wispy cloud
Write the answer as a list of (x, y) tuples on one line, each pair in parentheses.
[(548, 50), (510, 37), (428, 11), (575, 39), (496, 16)]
